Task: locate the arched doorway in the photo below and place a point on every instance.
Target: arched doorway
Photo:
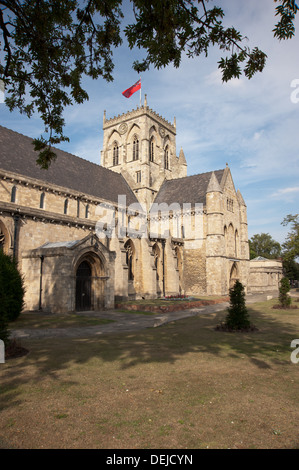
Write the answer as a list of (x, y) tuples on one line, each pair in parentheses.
[(4, 238), (83, 286)]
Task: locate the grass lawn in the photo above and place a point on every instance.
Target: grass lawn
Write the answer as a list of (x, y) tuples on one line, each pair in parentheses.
[(40, 320), (180, 386)]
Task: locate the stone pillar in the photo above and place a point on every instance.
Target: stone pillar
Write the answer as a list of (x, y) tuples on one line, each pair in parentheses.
[(244, 245), (215, 243)]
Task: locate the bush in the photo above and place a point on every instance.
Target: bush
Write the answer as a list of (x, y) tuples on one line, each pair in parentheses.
[(238, 317), (284, 299), (11, 289), (4, 332)]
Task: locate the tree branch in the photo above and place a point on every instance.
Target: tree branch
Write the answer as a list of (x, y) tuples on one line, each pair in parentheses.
[(6, 35)]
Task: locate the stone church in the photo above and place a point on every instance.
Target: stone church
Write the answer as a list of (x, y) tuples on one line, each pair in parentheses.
[(134, 226)]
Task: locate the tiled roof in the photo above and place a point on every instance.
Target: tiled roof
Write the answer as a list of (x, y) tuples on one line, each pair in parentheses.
[(190, 189), (68, 171)]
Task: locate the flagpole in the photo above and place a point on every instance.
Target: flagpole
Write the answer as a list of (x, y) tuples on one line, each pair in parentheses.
[(140, 89)]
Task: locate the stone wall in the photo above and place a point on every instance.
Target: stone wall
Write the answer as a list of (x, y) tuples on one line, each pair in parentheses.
[(264, 275)]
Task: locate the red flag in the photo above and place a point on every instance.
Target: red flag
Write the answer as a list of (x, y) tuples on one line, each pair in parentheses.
[(129, 92)]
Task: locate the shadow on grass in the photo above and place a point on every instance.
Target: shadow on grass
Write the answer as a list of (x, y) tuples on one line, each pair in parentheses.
[(265, 348)]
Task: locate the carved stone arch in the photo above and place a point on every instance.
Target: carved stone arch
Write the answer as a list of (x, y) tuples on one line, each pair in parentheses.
[(166, 141), (5, 239), (114, 136), (133, 142), (115, 153), (158, 261), (234, 274), (166, 156), (134, 129), (135, 147), (90, 272), (152, 148), (153, 132), (130, 258), (97, 261), (113, 147)]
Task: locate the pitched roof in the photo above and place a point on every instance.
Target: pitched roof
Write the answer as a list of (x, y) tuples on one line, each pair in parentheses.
[(190, 189), (68, 171)]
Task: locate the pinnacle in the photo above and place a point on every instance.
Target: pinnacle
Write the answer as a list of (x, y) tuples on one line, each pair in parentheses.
[(213, 185), (182, 157)]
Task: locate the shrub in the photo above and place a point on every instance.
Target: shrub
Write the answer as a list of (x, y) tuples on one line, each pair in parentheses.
[(4, 332), (284, 299), (237, 317), (11, 289)]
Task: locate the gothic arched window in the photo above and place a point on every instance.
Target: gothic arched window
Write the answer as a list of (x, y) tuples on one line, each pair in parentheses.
[(135, 148), (115, 154), (129, 247), (87, 211), (157, 260), (66, 203), (42, 201), (151, 150), (166, 158), (13, 194)]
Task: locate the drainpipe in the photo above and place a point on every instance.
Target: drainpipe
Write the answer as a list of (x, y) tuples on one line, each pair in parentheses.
[(163, 265), (41, 282)]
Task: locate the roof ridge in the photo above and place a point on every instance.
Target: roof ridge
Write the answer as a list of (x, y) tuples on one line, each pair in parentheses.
[(56, 174), (196, 174), (60, 150)]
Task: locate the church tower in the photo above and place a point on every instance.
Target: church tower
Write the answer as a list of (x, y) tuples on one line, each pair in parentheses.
[(141, 145)]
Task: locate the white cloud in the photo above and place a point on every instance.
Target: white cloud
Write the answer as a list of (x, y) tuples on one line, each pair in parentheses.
[(286, 191)]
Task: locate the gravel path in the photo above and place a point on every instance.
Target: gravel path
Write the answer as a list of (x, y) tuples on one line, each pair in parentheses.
[(127, 322)]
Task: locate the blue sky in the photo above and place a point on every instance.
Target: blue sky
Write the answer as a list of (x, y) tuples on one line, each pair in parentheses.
[(250, 124)]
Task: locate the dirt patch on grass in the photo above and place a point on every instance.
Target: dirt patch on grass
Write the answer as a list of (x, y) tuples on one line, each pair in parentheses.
[(15, 349), (169, 306)]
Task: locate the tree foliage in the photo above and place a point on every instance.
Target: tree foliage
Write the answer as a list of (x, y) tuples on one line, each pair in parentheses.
[(11, 289), (237, 317), (284, 299), (47, 47), (263, 245), (4, 331), (291, 269), (291, 244)]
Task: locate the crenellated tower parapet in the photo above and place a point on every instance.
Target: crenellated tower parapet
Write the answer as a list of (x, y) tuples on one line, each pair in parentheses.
[(141, 145)]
